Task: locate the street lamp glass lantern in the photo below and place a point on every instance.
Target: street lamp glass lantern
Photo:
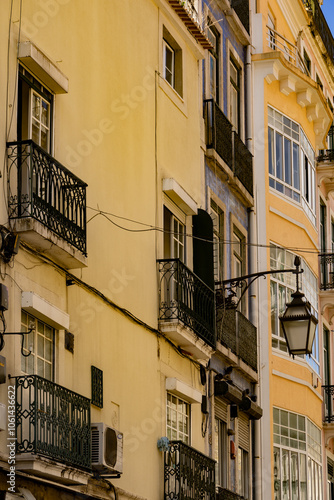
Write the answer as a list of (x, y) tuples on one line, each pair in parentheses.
[(299, 325)]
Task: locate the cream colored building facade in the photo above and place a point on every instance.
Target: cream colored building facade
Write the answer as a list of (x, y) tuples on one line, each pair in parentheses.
[(293, 96), (118, 157)]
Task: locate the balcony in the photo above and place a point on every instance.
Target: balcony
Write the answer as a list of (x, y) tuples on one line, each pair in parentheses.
[(318, 21), (237, 334), (188, 474), (189, 14), (281, 64), (224, 494), (289, 50), (47, 203), (328, 404), (227, 144), (187, 308), (326, 261), (53, 432), (328, 413)]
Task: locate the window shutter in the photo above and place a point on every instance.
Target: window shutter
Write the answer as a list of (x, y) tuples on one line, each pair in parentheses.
[(221, 409), (243, 431), (97, 387), (203, 247)]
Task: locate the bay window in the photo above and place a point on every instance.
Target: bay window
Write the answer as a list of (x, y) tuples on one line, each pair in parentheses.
[(297, 457), (291, 161)]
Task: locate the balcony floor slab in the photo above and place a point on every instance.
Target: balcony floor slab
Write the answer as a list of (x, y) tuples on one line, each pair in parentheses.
[(51, 470), (46, 241), (186, 339)]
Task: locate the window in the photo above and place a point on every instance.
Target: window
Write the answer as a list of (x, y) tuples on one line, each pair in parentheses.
[(234, 95), (217, 216), (34, 111), (178, 419), (297, 457), (291, 161), (239, 261), (271, 32), (281, 288), (307, 61), (41, 344), (319, 82), (213, 55), (174, 237), (172, 62), (221, 453), (243, 473), (169, 64)]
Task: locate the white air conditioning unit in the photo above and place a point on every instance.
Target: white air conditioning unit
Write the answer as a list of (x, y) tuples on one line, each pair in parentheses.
[(107, 449)]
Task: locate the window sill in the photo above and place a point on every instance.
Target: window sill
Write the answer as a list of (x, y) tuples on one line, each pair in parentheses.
[(173, 95)]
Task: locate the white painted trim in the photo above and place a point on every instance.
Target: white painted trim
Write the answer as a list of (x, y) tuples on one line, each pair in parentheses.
[(183, 390), (41, 66), (298, 381), (179, 196), (43, 310)]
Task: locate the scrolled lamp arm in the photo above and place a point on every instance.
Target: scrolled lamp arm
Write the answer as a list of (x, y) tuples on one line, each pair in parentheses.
[(2, 340)]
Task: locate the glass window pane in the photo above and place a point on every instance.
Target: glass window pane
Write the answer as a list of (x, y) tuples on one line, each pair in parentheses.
[(279, 156), (40, 346), (271, 151), (296, 174), (287, 161)]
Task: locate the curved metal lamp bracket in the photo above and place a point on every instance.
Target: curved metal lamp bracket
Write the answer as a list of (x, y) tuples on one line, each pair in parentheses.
[(230, 286), (2, 340)]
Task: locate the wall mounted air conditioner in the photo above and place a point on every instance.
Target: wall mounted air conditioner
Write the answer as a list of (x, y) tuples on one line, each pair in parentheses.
[(107, 449)]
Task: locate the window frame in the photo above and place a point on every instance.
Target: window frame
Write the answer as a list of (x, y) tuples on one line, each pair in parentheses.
[(168, 41), (25, 109), (298, 182), (30, 344), (187, 415), (218, 239), (285, 286), (235, 90), (167, 47), (307, 451), (214, 34)]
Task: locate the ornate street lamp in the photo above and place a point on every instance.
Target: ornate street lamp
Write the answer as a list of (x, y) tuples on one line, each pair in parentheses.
[(298, 322)]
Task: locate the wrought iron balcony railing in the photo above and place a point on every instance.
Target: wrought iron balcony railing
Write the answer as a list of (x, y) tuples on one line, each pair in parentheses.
[(328, 403), (40, 187), (186, 298), (328, 154), (291, 52), (320, 23), (326, 261), (52, 421), (189, 475), (227, 143), (237, 333), (241, 8), (224, 494)]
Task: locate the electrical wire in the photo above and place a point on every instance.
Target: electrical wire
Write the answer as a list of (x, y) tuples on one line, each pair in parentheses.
[(79, 282), (150, 227)]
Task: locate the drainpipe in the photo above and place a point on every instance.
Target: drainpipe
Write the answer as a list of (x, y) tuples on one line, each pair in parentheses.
[(252, 259)]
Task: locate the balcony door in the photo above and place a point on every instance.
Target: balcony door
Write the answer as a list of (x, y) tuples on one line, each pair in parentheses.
[(35, 104)]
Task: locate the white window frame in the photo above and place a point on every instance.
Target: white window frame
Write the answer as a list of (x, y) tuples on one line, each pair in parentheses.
[(287, 440), (218, 218), (301, 189), (181, 416), (285, 285), (167, 70), (232, 54)]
